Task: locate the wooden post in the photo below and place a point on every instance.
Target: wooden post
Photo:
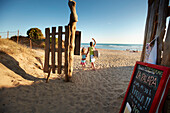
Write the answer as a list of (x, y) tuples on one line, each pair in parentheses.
[(7, 34), (72, 24), (59, 49), (160, 31), (166, 62), (71, 48), (53, 49), (18, 37), (164, 12), (168, 11), (31, 43), (47, 50), (150, 26), (49, 72), (166, 51), (67, 43), (77, 43)]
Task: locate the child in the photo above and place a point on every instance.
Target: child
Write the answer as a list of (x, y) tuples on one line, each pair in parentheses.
[(83, 60), (91, 49)]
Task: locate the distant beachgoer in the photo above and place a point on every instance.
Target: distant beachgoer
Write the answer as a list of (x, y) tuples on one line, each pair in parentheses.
[(91, 50), (83, 60)]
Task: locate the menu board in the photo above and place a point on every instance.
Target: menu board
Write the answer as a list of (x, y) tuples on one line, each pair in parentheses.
[(143, 87)]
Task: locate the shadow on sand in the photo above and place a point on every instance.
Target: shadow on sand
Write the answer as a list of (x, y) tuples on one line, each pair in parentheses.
[(13, 65), (88, 91)]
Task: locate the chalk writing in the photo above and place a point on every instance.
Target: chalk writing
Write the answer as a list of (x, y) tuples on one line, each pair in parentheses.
[(137, 94), (147, 79), (143, 88), (148, 100), (150, 70), (135, 110)]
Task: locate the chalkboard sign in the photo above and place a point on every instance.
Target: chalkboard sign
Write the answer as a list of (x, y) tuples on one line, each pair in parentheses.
[(147, 89)]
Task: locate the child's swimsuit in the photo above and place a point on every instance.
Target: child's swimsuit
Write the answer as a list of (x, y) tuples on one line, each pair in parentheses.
[(83, 61)]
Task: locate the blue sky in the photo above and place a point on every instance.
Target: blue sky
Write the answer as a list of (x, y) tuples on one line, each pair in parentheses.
[(108, 21)]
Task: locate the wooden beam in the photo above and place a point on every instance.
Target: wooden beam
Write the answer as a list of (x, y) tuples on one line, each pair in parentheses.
[(166, 62), (150, 26), (30, 43), (53, 49), (49, 72), (56, 66), (166, 51), (150, 2), (161, 26), (67, 43), (47, 50), (56, 50), (168, 11), (72, 24), (59, 49), (63, 50), (71, 51)]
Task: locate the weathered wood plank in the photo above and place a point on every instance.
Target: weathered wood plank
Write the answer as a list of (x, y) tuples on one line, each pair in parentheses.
[(150, 26), (59, 49), (163, 12), (47, 50), (67, 43), (56, 66), (168, 11), (53, 49), (160, 31), (77, 43), (166, 51), (71, 48), (30, 43), (166, 62), (63, 50), (150, 2), (72, 24), (49, 72)]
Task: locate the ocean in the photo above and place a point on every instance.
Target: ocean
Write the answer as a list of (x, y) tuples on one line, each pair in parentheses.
[(115, 46)]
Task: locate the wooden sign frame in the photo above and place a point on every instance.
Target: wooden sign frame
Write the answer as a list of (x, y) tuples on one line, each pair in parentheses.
[(161, 92)]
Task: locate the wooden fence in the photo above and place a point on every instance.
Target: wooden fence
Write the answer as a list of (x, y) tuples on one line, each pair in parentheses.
[(50, 46)]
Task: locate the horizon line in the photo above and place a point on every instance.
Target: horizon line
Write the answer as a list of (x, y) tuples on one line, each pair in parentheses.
[(111, 43)]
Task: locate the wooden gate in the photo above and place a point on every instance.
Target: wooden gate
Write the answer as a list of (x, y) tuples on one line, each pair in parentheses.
[(50, 46)]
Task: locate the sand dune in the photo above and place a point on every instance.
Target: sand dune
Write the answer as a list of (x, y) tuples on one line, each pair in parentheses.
[(23, 88)]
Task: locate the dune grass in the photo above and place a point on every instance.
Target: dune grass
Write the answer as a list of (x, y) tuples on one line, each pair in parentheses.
[(11, 47)]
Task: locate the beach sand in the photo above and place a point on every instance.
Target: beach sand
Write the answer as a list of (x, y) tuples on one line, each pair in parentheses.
[(23, 88)]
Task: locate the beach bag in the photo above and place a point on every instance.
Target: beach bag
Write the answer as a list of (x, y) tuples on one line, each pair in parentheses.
[(96, 53)]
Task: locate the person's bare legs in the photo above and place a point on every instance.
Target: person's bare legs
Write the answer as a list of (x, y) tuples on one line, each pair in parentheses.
[(83, 67), (92, 65)]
